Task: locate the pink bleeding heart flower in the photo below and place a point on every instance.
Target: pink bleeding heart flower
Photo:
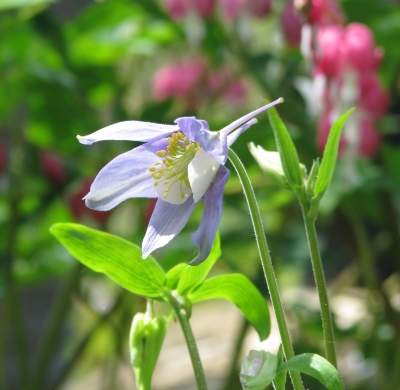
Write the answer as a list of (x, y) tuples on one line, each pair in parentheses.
[(372, 98), (328, 50), (358, 47), (178, 80)]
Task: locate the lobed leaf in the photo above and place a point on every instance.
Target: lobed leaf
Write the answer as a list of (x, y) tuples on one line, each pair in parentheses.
[(239, 290), (117, 258)]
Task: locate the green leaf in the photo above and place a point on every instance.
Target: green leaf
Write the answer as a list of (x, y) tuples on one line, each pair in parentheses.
[(240, 291), (317, 367), (174, 274), (8, 4), (330, 154), (193, 276), (119, 259), (287, 151)]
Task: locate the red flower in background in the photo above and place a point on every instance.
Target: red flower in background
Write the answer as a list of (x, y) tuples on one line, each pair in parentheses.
[(347, 60), (291, 24), (3, 158), (177, 9), (178, 80), (259, 8), (53, 168), (78, 207), (191, 81)]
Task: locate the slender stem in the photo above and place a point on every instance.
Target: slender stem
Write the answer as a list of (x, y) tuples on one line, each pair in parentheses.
[(183, 318), (266, 262), (327, 325)]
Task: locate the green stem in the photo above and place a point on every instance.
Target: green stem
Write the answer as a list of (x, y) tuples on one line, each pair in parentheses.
[(327, 325), (266, 262), (183, 318)]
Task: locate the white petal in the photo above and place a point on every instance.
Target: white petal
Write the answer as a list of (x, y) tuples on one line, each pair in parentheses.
[(201, 172), (177, 194)]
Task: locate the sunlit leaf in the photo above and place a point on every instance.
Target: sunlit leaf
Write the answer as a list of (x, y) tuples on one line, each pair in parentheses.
[(119, 259), (240, 291)]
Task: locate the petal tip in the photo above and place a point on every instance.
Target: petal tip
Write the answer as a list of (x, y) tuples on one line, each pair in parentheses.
[(84, 140)]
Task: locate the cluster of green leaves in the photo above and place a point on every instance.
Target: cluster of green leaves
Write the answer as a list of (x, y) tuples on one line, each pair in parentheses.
[(122, 262)]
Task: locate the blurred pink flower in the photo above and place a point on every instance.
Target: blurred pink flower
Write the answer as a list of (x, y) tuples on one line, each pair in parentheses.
[(323, 12), (328, 50), (358, 47), (53, 168), (291, 24), (259, 8), (232, 8), (372, 98), (177, 9), (224, 83), (178, 80), (369, 140), (236, 93), (205, 8)]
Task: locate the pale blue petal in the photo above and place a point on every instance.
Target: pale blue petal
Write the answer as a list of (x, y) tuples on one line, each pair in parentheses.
[(165, 223), (204, 236), (212, 142), (127, 176), (129, 131)]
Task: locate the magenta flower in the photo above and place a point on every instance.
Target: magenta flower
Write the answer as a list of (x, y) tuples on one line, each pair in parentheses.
[(179, 164)]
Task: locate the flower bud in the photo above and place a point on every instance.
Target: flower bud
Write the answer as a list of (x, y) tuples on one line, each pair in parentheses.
[(145, 342), (258, 370), (270, 163)]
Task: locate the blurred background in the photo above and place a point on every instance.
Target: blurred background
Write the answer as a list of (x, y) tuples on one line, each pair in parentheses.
[(71, 67)]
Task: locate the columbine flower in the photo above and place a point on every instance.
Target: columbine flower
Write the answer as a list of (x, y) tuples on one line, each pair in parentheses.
[(178, 164)]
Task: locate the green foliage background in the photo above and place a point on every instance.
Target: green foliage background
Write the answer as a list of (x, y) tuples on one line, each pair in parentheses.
[(69, 68)]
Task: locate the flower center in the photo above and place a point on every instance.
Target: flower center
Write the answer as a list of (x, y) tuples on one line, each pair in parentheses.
[(171, 174)]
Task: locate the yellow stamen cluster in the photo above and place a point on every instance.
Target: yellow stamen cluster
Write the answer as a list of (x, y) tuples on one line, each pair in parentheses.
[(174, 165)]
